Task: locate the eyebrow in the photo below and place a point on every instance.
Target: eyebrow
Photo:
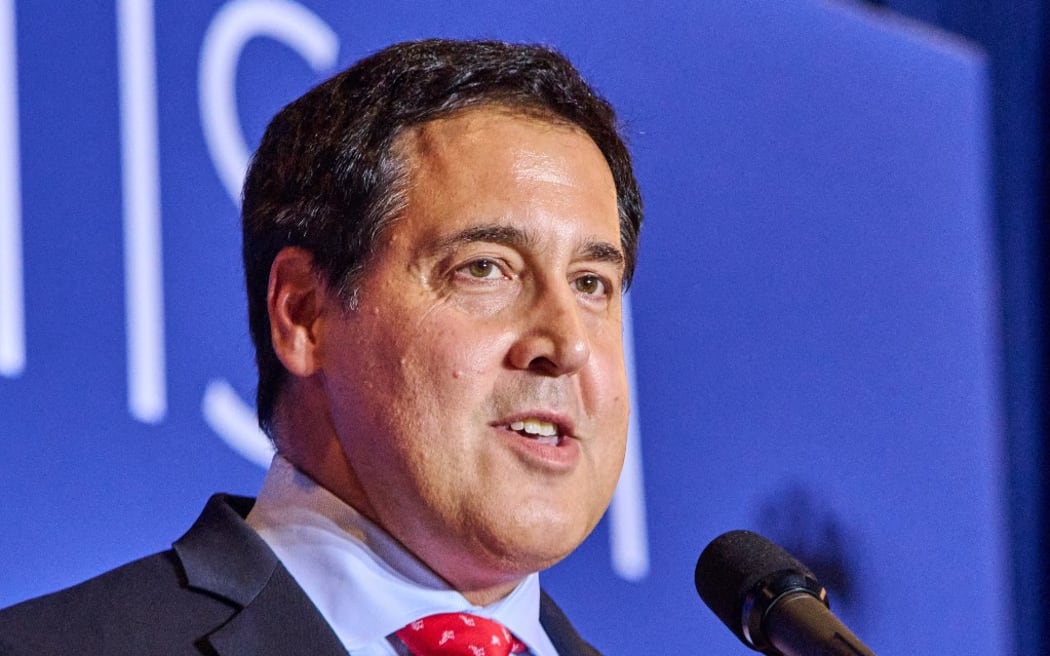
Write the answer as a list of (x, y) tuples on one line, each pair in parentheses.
[(602, 251), (497, 234), (599, 251)]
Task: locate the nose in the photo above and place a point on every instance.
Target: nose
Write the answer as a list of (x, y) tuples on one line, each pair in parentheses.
[(554, 340)]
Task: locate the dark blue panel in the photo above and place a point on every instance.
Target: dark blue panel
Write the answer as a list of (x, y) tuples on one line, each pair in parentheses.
[(813, 320)]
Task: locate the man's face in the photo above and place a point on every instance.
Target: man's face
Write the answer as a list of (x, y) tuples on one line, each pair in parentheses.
[(478, 391)]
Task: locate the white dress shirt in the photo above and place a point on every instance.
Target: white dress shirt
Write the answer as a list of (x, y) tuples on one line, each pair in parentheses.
[(364, 583)]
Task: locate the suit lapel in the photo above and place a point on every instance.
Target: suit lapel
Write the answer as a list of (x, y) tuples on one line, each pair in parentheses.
[(222, 556), (561, 632), (280, 620)]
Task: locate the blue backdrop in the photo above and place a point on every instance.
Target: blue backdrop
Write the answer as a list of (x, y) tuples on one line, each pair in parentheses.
[(814, 342)]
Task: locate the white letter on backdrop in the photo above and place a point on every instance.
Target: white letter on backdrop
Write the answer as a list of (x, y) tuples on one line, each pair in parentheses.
[(233, 26), (628, 531), (12, 309), (143, 264)]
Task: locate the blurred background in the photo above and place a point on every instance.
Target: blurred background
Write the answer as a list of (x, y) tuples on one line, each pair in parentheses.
[(837, 328)]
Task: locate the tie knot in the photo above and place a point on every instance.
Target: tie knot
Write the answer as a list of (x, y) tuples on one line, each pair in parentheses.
[(459, 634)]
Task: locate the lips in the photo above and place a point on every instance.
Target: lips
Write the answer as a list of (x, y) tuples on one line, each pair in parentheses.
[(544, 442), (543, 429)]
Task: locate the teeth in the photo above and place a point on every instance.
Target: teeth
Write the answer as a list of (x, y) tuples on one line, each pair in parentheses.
[(535, 427)]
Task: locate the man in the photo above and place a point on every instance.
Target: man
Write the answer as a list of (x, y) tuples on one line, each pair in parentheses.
[(435, 246)]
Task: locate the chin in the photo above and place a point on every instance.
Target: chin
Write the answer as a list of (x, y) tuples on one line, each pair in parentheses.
[(539, 546)]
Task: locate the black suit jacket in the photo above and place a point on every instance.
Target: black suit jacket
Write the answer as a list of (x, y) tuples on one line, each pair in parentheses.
[(220, 590)]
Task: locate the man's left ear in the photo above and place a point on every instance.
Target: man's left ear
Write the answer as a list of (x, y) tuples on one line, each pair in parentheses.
[(295, 299)]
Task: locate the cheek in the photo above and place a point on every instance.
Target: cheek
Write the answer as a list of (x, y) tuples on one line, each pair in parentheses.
[(608, 392), (445, 382), (608, 400), (458, 348)]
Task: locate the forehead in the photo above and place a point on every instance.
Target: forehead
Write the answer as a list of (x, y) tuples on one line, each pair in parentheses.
[(497, 163)]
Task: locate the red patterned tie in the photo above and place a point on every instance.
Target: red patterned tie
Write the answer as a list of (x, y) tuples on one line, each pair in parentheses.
[(459, 634)]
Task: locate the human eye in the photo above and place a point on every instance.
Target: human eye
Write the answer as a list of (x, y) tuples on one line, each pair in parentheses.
[(481, 269), (590, 284)]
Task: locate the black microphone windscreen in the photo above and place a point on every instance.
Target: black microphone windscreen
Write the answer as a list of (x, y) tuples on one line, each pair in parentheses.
[(731, 566)]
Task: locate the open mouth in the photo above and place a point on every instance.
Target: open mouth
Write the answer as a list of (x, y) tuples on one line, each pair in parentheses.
[(543, 432)]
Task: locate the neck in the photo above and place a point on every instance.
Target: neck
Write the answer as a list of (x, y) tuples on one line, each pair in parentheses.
[(314, 450)]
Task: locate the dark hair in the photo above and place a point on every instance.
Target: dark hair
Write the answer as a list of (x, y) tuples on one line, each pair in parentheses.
[(327, 177)]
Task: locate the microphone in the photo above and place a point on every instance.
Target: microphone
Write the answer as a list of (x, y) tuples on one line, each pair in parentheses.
[(770, 600)]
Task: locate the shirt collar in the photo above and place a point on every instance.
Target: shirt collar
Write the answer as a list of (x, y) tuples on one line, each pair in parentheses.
[(363, 581)]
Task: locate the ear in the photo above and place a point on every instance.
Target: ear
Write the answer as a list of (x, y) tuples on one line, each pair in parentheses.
[(295, 299)]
